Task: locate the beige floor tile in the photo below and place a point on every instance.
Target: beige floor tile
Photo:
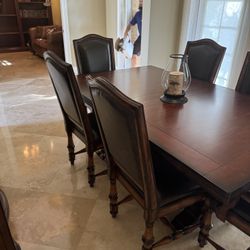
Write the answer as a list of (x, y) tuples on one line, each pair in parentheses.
[(29, 246), (50, 219)]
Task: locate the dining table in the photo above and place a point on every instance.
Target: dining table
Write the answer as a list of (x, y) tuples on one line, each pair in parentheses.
[(207, 138)]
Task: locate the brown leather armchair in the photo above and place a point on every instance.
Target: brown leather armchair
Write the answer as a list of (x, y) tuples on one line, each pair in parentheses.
[(45, 38)]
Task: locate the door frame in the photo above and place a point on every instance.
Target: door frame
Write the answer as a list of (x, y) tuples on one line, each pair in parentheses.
[(112, 30)]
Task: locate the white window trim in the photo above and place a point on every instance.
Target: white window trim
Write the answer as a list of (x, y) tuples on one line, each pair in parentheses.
[(244, 44)]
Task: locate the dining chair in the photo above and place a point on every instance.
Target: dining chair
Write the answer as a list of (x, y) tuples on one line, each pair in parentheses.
[(77, 120), (204, 59), (6, 240), (94, 53), (140, 166), (243, 84), (238, 215)]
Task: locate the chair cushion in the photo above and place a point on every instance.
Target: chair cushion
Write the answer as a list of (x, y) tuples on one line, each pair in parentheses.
[(171, 184), (43, 43), (47, 29), (242, 209)]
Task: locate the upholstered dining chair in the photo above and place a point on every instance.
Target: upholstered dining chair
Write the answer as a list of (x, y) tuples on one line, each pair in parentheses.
[(6, 240), (243, 84), (76, 118), (94, 53), (238, 215), (138, 165), (204, 59)]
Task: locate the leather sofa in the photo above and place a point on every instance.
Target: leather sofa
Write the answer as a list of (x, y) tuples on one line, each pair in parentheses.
[(45, 38)]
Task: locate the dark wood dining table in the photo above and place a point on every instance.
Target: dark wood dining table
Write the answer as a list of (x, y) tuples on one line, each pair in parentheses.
[(208, 138)]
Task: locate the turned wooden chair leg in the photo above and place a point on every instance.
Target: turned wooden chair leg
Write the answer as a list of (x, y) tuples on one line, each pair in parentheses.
[(206, 224), (113, 196), (71, 147), (91, 169), (148, 236)]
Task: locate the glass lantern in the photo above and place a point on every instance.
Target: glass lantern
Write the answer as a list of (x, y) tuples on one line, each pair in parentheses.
[(176, 79)]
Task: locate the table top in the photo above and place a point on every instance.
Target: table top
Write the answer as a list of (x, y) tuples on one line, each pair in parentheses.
[(209, 136)]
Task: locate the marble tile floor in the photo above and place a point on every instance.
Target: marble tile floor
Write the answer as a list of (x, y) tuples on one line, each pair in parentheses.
[(52, 206)]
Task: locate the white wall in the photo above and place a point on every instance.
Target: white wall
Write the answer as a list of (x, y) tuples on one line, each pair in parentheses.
[(111, 19), (165, 23), (83, 17)]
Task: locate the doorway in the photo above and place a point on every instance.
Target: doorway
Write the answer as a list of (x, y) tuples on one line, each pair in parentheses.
[(126, 10)]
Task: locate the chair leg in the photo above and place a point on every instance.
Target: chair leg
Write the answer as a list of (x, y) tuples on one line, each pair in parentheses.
[(91, 169), (113, 197), (71, 147), (148, 236), (206, 224)]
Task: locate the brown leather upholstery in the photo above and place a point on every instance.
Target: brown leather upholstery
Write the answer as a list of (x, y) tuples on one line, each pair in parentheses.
[(94, 53), (243, 85), (45, 38), (77, 120), (204, 59), (159, 189), (6, 240)]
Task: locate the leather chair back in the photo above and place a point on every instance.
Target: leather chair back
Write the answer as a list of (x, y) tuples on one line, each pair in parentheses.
[(243, 85), (204, 59), (124, 134), (94, 54), (68, 93)]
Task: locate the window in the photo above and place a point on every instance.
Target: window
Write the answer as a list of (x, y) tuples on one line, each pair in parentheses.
[(221, 20), (226, 22)]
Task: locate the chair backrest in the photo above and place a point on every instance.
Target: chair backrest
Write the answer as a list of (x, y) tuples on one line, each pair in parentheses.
[(124, 134), (243, 84), (204, 59), (94, 54), (68, 93)]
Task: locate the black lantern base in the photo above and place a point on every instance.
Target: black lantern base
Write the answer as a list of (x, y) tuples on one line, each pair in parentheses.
[(178, 99)]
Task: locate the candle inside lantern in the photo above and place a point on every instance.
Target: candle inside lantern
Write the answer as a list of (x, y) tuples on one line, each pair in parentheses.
[(175, 83)]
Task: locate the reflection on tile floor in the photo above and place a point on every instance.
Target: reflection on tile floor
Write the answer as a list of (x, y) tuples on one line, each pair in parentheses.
[(52, 206)]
